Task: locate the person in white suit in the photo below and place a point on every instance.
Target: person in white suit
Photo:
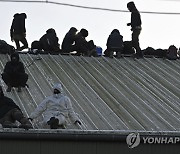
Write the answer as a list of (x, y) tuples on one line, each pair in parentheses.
[(56, 109)]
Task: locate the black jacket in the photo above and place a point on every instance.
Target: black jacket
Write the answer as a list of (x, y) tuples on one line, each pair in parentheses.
[(115, 40), (49, 41), (135, 19), (18, 24), (68, 40), (13, 68), (6, 104)]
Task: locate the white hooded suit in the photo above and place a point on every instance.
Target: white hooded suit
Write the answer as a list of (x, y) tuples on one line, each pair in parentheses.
[(58, 106)]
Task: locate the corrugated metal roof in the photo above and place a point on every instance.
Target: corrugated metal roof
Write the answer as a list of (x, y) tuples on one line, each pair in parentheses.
[(107, 94)]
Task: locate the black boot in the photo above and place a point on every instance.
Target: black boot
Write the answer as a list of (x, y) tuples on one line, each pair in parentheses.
[(25, 124), (54, 123)]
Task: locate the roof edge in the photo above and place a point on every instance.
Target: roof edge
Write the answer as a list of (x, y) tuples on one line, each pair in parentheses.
[(79, 135)]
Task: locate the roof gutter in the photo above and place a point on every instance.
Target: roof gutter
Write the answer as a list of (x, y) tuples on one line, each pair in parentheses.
[(71, 135)]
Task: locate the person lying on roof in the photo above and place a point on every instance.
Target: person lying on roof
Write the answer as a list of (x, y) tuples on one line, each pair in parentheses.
[(10, 113), (56, 109)]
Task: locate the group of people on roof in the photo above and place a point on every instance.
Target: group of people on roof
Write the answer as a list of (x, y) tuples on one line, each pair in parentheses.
[(56, 108), (72, 41), (75, 41)]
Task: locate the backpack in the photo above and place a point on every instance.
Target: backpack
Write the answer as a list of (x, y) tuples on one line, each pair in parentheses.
[(128, 48)]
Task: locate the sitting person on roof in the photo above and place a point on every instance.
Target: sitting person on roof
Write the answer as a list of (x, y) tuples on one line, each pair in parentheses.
[(56, 109), (14, 73), (172, 53), (84, 47), (114, 44), (68, 44), (10, 113), (49, 41)]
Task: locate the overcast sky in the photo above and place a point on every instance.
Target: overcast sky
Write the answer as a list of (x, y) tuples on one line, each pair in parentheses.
[(158, 31)]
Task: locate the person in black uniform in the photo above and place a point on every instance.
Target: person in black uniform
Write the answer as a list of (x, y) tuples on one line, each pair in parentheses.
[(49, 41), (84, 47), (14, 73), (68, 44), (18, 31), (135, 27), (114, 43), (10, 113)]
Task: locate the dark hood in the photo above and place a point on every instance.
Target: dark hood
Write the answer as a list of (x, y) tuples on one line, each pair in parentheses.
[(16, 55)]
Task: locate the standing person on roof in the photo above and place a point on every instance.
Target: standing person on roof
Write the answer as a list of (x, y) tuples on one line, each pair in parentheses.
[(135, 27), (10, 113), (56, 109), (14, 73), (18, 31)]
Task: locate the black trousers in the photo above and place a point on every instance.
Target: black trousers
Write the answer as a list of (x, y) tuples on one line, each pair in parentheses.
[(20, 38), (135, 41)]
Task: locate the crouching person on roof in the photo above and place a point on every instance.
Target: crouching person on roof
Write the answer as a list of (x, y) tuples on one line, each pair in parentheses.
[(84, 47), (14, 73), (56, 109), (172, 53), (114, 43), (10, 113), (49, 42)]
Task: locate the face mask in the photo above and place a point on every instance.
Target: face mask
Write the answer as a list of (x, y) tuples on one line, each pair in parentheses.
[(56, 93)]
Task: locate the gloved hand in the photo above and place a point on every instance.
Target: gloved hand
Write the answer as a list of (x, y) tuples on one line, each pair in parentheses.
[(128, 24), (77, 122)]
